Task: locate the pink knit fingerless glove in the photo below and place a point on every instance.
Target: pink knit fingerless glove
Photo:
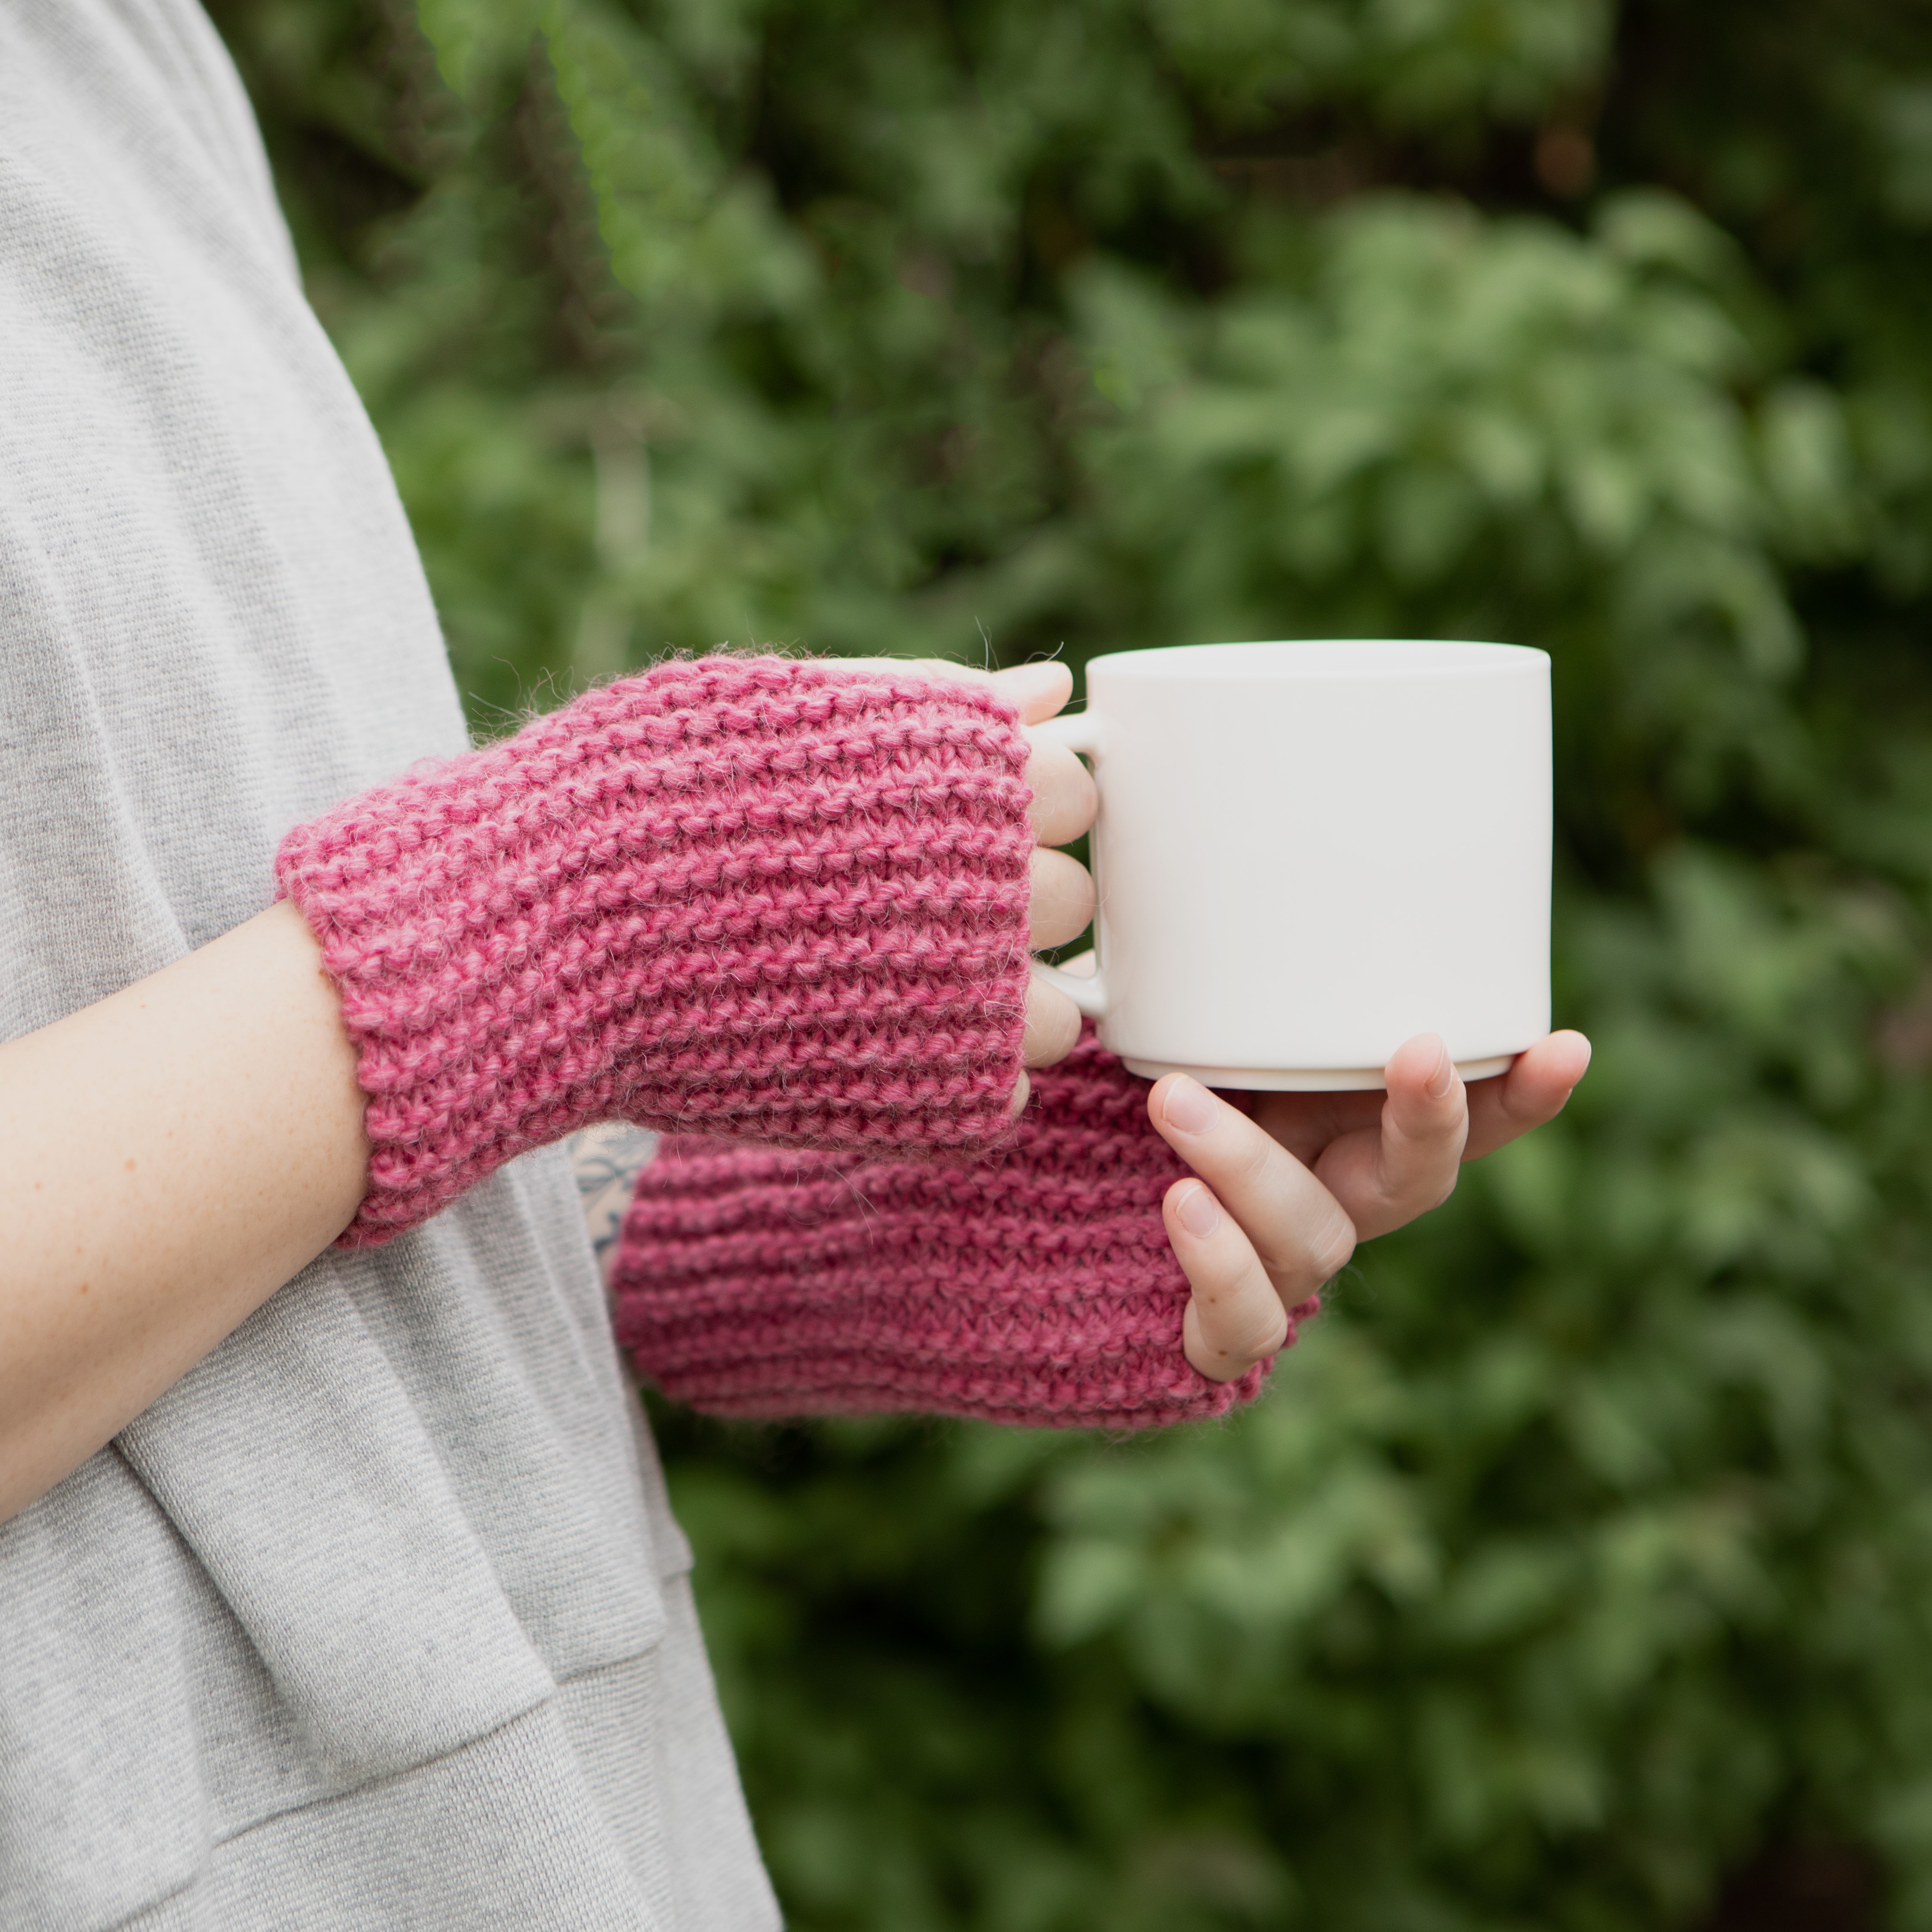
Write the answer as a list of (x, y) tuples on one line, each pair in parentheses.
[(779, 899), (1033, 1285)]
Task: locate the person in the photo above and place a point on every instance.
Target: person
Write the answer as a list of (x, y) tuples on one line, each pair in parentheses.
[(338, 1584)]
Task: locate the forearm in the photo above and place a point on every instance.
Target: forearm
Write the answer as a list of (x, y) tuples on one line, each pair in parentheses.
[(169, 1157), (776, 899)]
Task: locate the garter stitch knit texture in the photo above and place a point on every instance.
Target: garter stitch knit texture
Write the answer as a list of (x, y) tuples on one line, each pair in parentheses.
[(780, 899), (1033, 1285)]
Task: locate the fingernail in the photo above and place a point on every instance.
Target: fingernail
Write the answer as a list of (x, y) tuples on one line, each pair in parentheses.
[(1443, 1078), (1189, 1106), (1199, 1212)]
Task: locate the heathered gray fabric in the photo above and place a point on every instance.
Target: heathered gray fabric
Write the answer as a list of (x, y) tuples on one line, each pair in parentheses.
[(379, 1618)]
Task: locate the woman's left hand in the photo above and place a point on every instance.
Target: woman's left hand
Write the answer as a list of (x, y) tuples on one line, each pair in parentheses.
[(1283, 1195)]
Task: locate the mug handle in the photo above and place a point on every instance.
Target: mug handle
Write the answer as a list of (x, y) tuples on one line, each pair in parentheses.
[(1078, 731)]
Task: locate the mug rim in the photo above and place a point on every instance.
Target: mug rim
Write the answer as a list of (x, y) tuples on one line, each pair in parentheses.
[(1382, 659)]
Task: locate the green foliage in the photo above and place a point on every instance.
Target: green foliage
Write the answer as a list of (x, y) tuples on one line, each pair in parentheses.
[(1586, 1544)]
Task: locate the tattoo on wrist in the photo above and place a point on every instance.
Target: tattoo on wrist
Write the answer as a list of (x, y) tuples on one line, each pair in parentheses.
[(608, 1159)]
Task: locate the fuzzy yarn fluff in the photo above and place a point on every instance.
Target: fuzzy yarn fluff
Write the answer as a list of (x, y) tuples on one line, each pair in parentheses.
[(1033, 1285), (743, 895)]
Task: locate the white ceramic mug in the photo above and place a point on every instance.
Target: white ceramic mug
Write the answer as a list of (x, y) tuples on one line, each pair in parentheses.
[(1308, 853)]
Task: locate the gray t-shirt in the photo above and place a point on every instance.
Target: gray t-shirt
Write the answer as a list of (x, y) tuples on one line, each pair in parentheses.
[(378, 1618)]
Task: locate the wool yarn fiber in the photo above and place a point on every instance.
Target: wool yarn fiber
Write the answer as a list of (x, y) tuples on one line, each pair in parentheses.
[(1033, 1284), (773, 898)]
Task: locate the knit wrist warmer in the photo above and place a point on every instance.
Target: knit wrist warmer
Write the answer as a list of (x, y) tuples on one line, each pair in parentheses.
[(1033, 1285), (778, 899)]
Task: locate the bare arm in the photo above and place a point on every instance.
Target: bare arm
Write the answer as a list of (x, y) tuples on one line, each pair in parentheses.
[(608, 1159), (169, 1157)]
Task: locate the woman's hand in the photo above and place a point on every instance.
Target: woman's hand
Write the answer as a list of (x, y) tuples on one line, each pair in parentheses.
[(1064, 802), (1282, 1197)]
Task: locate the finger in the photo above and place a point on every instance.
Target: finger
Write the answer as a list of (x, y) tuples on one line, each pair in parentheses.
[(1406, 1163), (1534, 1089), (1305, 1123), (1061, 907), (1297, 1229), (1039, 690), (1235, 1318), (1022, 1087), (1052, 1025), (1064, 799)]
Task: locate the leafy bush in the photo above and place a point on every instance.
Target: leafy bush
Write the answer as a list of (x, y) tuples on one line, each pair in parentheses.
[(1586, 1545)]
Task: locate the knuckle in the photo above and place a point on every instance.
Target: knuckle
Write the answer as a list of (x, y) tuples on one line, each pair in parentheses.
[(1050, 766), (1064, 800), (1062, 903), (1084, 803), (1063, 1027), (1261, 1339), (1251, 1160), (1076, 881), (1052, 1025), (1052, 871), (1212, 1363), (1333, 1248), (1043, 775), (1243, 1324)]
